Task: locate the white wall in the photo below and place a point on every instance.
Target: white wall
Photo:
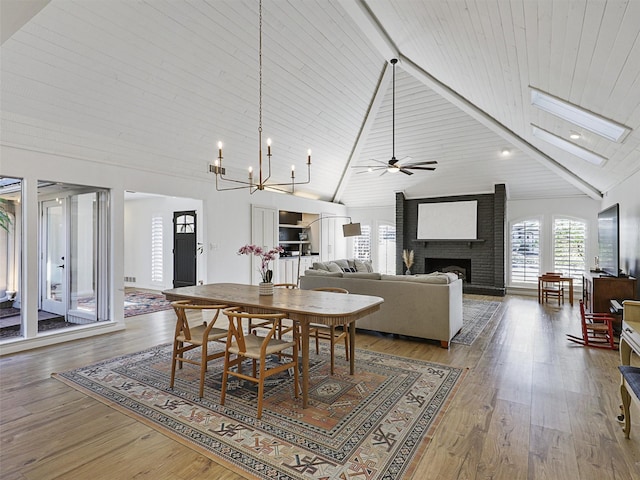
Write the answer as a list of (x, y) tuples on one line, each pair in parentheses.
[(627, 194), (138, 214)]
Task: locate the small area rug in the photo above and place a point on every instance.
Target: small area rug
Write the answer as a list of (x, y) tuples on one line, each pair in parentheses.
[(139, 302), (476, 314), (373, 425)]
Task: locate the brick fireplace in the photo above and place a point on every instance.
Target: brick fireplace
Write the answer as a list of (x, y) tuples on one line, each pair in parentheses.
[(480, 261), (459, 266)]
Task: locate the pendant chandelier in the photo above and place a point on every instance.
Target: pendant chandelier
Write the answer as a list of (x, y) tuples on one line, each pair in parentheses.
[(261, 180)]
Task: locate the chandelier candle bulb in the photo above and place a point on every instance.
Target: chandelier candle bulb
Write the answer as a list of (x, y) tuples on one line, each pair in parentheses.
[(220, 150), (269, 146), (309, 157)]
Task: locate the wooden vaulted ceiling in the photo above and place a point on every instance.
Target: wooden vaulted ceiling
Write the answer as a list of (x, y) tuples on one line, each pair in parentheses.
[(156, 84)]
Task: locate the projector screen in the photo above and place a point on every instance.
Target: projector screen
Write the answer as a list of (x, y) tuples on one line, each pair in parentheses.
[(448, 220)]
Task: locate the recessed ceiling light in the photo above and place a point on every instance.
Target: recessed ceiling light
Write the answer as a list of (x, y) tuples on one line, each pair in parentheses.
[(505, 152), (579, 116), (567, 146), (574, 135)]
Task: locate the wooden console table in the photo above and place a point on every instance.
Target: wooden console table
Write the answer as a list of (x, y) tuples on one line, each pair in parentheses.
[(599, 290)]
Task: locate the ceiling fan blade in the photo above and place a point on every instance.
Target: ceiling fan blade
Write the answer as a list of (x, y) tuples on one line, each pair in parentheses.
[(406, 172), (430, 162), (421, 168), (369, 166)]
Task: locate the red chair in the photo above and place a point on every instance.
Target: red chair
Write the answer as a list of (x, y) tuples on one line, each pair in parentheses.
[(597, 330)]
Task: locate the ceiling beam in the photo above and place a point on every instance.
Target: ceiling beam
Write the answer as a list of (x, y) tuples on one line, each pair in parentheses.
[(371, 27), (14, 14), (370, 116)]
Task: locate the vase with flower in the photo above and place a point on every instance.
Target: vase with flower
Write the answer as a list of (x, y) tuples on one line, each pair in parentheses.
[(266, 257), (407, 258)]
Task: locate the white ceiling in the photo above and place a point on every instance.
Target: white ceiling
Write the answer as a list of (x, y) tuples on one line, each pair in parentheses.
[(155, 84)]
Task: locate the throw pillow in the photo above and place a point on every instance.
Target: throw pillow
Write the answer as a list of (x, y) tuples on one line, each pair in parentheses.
[(333, 267), (360, 266), (320, 266), (349, 270), (342, 263)]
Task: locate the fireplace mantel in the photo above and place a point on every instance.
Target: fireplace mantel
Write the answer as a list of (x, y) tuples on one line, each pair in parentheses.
[(469, 242)]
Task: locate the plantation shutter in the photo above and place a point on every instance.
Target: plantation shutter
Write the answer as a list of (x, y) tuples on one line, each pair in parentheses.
[(569, 240), (525, 251)]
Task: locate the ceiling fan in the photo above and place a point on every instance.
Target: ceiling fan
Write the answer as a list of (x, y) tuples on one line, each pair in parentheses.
[(394, 165)]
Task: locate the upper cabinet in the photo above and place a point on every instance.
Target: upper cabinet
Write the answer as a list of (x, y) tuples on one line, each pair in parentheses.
[(296, 234)]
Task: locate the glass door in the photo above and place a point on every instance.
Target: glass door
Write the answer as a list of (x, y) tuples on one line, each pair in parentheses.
[(54, 278)]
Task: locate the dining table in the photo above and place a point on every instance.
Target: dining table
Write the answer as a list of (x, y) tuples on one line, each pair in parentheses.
[(302, 306)]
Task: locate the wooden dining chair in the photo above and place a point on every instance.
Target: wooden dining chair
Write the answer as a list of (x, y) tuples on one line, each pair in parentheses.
[(249, 346), (329, 332), (552, 285), (193, 331), (597, 330)]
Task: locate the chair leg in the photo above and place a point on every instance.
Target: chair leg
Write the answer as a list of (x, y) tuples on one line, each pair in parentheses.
[(225, 375), (332, 342), (346, 341), (203, 367), (260, 390), (626, 402), (173, 364)]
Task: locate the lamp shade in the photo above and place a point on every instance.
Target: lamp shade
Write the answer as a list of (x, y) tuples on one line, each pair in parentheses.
[(351, 229)]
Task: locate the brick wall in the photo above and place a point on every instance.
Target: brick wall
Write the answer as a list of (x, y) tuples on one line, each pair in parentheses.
[(487, 255)]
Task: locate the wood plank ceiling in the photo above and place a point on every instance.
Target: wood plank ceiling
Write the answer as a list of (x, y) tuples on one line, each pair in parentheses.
[(155, 84)]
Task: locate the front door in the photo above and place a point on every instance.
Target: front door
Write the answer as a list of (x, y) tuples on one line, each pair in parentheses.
[(184, 249), (54, 240)]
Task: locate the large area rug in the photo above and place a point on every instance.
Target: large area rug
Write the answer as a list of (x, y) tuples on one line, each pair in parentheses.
[(476, 314), (373, 425), (138, 302)]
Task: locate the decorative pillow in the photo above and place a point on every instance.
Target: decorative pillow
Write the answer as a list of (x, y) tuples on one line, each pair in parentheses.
[(360, 266), (320, 266), (342, 263), (322, 273), (367, 263), (349, 270), (333, 267)]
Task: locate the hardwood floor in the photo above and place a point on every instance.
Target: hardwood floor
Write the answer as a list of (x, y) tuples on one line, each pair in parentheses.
[(532, 406)]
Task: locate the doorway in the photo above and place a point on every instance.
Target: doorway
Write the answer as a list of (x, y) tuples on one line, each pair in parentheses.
[(184, 248)]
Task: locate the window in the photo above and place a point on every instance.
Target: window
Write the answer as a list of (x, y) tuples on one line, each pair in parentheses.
[(156, 249), (362, 244), (387, 249), (569, 239), (525, 251)]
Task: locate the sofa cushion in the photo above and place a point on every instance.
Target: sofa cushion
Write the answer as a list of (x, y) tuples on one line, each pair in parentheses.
[(437, 277), (334, 267), (342, 263), (321, 273), (363, 265), (366, 275), (320, 266)]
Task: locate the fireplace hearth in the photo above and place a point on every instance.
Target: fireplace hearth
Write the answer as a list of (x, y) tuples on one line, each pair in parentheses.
[(459, 266)]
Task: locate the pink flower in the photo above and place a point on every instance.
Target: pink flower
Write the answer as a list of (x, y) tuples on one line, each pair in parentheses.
[(265, 272)]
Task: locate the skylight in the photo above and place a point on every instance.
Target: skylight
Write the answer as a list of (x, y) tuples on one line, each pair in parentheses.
[(567, 146), (578, 116)]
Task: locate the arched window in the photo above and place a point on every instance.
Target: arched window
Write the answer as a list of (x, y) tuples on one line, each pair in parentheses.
[(569, 245), (525, 251)]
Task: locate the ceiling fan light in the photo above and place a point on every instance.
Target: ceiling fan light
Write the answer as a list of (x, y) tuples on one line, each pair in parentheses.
[(392, 169)]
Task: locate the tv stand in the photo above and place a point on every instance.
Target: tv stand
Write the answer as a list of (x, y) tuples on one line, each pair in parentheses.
[(599, 289)]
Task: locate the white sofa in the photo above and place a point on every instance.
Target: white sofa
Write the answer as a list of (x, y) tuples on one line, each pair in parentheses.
[(425, 306)]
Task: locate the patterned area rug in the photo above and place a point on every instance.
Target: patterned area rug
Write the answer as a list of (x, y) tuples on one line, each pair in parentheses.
[(476, 314), (138, 303), (373, 425)]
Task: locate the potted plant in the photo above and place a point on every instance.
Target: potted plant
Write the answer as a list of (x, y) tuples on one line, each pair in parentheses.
[(266, 256)]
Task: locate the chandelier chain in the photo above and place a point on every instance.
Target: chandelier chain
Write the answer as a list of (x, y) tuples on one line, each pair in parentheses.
[(260, 74)]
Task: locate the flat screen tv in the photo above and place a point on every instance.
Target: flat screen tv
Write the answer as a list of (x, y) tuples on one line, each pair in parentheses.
[(609, 240)]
